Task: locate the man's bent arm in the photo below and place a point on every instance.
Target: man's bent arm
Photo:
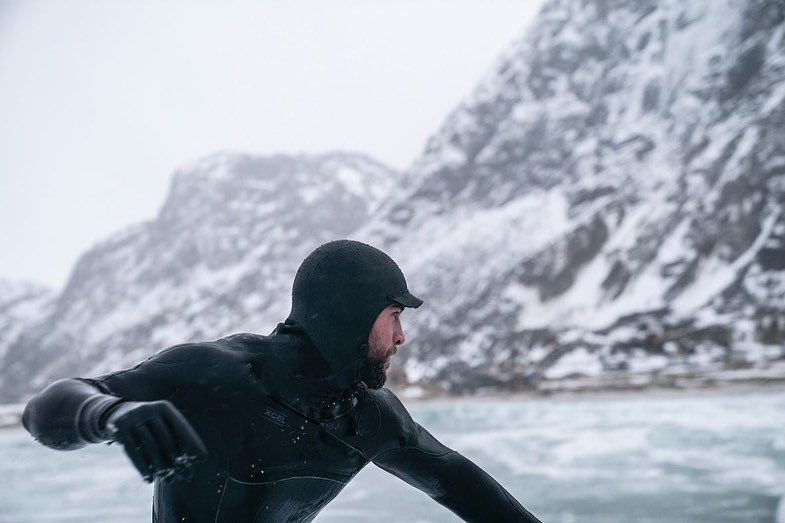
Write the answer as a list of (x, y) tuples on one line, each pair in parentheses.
[(455, 482), (69, 414), (130, 407)]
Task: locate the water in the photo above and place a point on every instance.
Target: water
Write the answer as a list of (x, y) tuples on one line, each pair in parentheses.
[(682, 458)]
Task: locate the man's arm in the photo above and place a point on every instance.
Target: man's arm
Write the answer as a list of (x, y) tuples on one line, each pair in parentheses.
[(455, 482), (447, 476), (72, 413)]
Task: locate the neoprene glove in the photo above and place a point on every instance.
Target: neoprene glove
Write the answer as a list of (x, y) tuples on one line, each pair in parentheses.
[(156, 437)]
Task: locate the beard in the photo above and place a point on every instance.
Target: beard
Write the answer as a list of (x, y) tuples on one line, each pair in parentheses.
[(373, 372)]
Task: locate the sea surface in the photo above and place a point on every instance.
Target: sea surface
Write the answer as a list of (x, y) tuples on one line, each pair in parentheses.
[(676, 458)]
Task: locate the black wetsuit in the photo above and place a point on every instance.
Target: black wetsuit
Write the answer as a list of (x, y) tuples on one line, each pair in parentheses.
[(283, 438)]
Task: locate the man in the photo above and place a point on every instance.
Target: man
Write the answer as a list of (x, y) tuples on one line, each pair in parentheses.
[(271, 428)]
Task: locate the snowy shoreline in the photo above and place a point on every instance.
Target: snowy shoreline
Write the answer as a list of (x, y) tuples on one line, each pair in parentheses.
[(716, 389), (631, 386)]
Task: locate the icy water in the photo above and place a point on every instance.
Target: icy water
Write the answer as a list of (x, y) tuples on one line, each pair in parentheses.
[(677, 458)]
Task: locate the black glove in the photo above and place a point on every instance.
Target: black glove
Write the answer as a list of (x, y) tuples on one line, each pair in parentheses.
[(157, 438)]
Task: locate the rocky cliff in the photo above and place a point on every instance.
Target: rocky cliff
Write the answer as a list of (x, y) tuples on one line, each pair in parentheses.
[(609, 199)]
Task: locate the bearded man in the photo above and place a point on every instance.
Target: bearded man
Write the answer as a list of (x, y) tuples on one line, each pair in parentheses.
[(272, 428)]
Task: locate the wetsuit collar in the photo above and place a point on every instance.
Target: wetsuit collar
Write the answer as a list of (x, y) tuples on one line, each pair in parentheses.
[(308, 363), (311, 384)]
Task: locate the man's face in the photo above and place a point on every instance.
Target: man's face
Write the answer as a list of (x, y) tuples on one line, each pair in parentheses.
[(383, 342)]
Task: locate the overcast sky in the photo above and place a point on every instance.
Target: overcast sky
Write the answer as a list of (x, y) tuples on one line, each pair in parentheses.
[(100, 101)]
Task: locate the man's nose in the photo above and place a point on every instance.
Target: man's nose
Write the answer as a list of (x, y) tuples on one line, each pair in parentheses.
[(399, 337)]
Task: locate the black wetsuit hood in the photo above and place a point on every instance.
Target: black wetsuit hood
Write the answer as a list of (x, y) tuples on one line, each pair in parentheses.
[(338, 292)]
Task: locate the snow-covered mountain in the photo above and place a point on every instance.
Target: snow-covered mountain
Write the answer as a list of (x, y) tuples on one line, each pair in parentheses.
[(610, 198), (22, 304), (219, 258), (609, 201)]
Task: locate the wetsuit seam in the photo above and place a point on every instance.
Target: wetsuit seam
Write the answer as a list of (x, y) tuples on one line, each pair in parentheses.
[(363, 454), (431, 454), (283, 479), (220, 501), (302, 472)]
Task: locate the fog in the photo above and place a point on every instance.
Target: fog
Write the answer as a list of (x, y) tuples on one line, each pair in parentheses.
[(101, 101)]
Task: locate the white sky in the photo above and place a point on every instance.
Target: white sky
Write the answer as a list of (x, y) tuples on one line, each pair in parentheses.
[(100, 101)]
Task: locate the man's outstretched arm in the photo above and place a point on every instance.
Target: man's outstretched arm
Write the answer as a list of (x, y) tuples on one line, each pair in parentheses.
[(455, 482), (445, 475)]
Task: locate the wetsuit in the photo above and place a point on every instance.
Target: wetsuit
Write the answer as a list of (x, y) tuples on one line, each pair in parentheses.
[(282, 444), (286, 419)]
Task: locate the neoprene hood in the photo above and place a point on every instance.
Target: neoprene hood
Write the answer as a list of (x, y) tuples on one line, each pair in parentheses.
[(339, 291)]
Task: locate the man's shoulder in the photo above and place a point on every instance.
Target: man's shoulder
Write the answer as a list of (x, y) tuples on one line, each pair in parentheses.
[(235, 349), (388, 400), (226, 347), (243, 338), (244, 343), (180, 367), (399, 430), (393, 412)]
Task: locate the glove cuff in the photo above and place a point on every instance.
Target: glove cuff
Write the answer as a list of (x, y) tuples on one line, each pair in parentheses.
[(92, 415)]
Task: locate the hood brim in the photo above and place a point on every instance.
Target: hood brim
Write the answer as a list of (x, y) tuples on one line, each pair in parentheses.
[(407, 299)]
